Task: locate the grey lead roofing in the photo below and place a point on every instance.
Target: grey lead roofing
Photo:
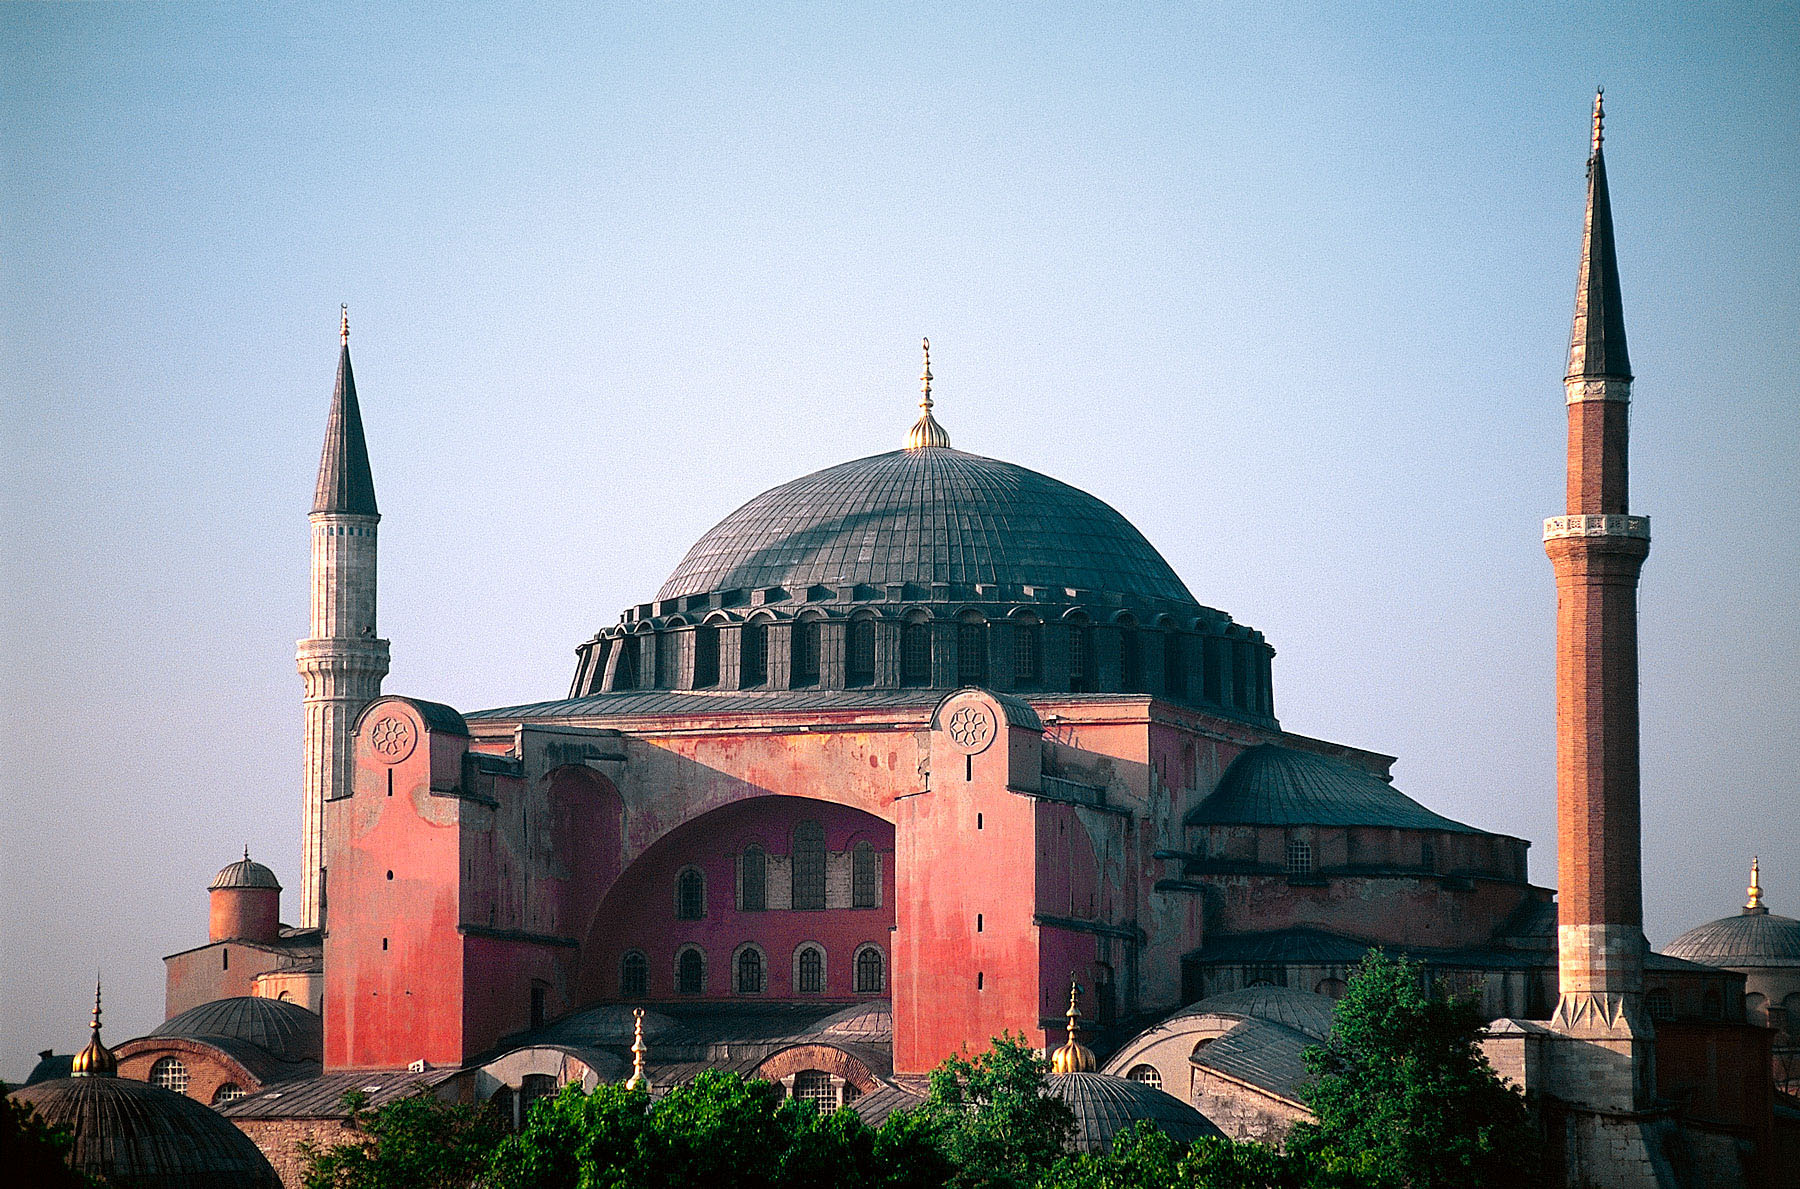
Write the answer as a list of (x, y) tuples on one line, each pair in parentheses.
[(1269, 785), (1597, 342), (923, 517), (346, 484), (1263, 1053), (1104, 1105), (288, 1031), (1750, 939)]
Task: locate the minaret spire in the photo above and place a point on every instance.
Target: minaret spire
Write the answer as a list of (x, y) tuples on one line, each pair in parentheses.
[(1597, 343), (346, 484)]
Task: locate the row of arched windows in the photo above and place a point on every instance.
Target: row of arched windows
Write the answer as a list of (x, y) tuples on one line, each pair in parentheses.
[(750, 971), (806, 877)]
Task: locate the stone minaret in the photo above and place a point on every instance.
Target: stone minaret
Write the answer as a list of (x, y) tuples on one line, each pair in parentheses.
[(341, 661), (1597, 549)]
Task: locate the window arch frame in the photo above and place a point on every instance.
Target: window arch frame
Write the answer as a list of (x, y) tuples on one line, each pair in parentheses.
[(860, 966), (749, 970), (860, 632), (1028, 651), (972, 667), (171, 1073), (916, 649), (865, 875), (803, 976), (806, 868), (684, 985), (690, 894), (753, 653), (634, 962), (804, 648)]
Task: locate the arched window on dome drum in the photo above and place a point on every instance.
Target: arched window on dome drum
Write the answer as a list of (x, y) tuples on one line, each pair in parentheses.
[(668, 650), (1028, 652), (1175, 682), (625, 672), (859, 661), (809, 865), (1243, 694), (811, 980), (865, 877), (706, 656), (690, 895), (1146, 1074), (755, 879), (170, 1074), (971, 652), (753, 655), (1212, 669), (750, 972), (915, 654), (634, 976), (805, 666), (1131, 659), (1081, 658), (690, 972), (869, 970)]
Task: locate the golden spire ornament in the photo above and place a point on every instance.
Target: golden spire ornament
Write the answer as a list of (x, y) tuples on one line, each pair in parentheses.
[(1754, 903), (96, 1060), (1599, 116), (926, 431), (1073, 1057), (344, 326), (639, 1080)]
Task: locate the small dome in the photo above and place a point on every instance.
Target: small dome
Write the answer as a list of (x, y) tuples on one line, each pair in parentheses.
[(1755, 937), (1303, 1011), (245, 873), (138, 1136), (1269, 785), (1105, 1105), (285, 1029)]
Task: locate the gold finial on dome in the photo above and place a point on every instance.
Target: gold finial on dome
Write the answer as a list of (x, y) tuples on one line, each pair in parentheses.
[(1599, 115), (1754, 903), (96, 1060), (926, 431), (1073, 1057), (638, 1080), (344, 326)]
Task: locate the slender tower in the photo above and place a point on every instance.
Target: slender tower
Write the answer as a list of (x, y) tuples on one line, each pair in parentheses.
[(341, 661), (1597, 549)]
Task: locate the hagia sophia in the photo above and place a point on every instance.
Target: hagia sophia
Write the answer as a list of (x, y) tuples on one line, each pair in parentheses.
[(900, 751)]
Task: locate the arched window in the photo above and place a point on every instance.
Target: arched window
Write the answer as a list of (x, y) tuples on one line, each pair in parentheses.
[(634, 976), (859, 661), (869, 970), (756, 879), (706, 656), (229, 1092), (915, 654), (814, 1086), (1147, 1074), (1331, 988), (805, 668), (971, 652), (865, 877), (532, 1087), (690, 972), (1174, 665), (750, 971), (1131, 659), (1081, 658), (625, 673), (690, 894), (1028, 652), (1299, 857), (809, 970), (753, 655), (1201, 1045), (170, 1074), (809, 865)]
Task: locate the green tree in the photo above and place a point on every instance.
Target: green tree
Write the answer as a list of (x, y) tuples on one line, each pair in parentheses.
[(1144, 1157), (1403, 1083), (416, 1142), (37, 1153), (994, 1120), (573, 1140)]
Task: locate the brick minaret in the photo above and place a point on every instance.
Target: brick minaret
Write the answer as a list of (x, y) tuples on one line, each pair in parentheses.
[(341, 661), (1597, 549)]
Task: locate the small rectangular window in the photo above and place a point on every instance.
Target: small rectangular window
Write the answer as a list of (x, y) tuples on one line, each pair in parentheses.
[(1299, 857)]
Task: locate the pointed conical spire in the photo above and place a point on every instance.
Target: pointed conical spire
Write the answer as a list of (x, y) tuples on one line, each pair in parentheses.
[(1597, 345), (96, 1060), (345, 481)]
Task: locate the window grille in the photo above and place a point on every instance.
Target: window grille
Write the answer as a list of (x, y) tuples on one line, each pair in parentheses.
[(690, 895), (806, 652), (812, 971), (750, 972), (756, 877), (915, 654), (1081, 658), (1299, 857), (868, 970), (532, 1087), (971, 653), (809, 865), (1028, 652), (690, 973), (1147, 1074), (170, 1074), (753, 655), (706, 657), (860, 663), (814, 1086), (634, 976), (229, 1092), (865, 877)]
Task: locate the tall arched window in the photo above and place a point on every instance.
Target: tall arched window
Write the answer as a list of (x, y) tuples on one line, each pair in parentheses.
[(755, 877), (634, 976), (971, 652), (809, 865), (809, 970), (706, 656), (915, 654), (1131, 659), (859, 660), (1081, 658), (690, 972), (1174, 665), (690, 895), (1028, 652), (865, 877), (625, 673), (750, 971), (170, 1074), (869, 970), (753, 655), (805, 667)]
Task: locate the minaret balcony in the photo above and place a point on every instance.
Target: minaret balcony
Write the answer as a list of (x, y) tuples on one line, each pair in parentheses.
[(1635, 527)]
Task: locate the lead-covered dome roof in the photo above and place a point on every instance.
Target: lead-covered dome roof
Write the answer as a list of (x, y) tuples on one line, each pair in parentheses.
[(1754, 937), (245, 873), (1105, 1105), (925, 517), (286, 1030)]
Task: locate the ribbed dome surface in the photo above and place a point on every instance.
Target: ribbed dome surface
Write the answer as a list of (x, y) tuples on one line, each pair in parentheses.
[(925, 516), (1105, 1105), (285, 1029), (1751, 938), (1277, 786), (1302, 1011), (139, 1136), (245, 873)]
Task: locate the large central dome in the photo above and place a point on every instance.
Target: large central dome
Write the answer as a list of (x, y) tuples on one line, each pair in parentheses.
[(922, 517)]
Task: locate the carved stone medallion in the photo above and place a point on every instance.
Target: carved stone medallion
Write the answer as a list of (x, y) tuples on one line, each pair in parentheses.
[(393, 738), (971, 727)]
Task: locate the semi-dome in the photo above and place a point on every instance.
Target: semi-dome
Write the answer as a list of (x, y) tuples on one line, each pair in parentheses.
[(1270, 785), (285, 1029), (925, 517), (1105, 1105)]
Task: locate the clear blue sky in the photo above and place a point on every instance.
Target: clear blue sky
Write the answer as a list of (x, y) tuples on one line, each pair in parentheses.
[(1289, 286)]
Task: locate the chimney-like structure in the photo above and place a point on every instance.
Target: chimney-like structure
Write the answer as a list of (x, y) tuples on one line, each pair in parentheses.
[(1597, 549), (341, 661)]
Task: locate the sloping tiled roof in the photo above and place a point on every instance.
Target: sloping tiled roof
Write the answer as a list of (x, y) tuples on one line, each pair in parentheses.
[(322, 1097), (659, 702), (1263, 1053), (1270, 785), (1303, 1011)]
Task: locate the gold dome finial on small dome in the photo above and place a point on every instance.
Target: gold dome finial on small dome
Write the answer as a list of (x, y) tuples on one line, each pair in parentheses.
[(926, 431), (96, 1060), (639, 1080), (1073, 1057), (1754, 903), (344, 326)]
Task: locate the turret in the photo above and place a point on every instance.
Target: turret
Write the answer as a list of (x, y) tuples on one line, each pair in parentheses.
[(246, 903)]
